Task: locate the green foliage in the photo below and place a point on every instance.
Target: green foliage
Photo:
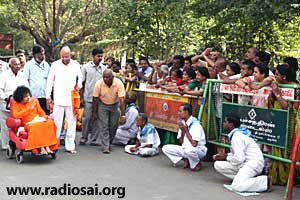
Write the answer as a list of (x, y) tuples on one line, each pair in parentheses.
[(155, 28)]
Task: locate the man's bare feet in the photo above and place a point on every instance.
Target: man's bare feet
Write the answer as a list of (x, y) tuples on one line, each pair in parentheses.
[(185, 164), (72, 152), (48, 150), (197, 167), (43, 151)]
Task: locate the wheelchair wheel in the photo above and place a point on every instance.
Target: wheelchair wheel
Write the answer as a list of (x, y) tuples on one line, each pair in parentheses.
[(19, 157), (10, 151)]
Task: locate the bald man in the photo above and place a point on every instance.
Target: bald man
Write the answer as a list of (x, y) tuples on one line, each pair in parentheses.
[(62, 78), (9, 81), (108, 96)]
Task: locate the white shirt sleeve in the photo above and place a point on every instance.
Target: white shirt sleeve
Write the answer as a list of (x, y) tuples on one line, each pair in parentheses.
[(195, 132), (2, 86), (50, 81), (80, 77)]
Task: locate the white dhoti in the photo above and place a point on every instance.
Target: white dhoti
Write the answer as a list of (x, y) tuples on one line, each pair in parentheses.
[(4, 114), (245, 179), (58, 114), (123, 136), (176, 153), (143, 151)]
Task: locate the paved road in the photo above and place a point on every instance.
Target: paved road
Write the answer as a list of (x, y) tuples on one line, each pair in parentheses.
[(143, 178)]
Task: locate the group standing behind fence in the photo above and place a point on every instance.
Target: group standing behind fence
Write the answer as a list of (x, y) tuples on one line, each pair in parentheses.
[(103, 87)]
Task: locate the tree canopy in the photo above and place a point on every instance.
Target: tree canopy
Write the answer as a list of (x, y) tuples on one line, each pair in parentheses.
[(155, 28)]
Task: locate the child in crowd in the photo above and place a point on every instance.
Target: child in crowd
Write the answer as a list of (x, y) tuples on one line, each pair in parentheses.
[(196, 86), (130, 77), (174, 79), (187, 76)]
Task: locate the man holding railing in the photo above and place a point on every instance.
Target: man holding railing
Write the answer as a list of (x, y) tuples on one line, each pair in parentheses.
[(245, 162)]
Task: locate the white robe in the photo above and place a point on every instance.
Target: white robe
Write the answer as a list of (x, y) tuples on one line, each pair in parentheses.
[(244, 163), (151, 137)]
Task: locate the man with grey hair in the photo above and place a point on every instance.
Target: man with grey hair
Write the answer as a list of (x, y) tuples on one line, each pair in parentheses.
[(148, 138), (64, 74), (9, 81)]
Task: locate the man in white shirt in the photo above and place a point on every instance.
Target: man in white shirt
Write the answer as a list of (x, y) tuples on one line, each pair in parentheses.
[(245, 161), (9, 81), (62, 78), (36, 72), (148, 138), (3, 66), (192, 138)]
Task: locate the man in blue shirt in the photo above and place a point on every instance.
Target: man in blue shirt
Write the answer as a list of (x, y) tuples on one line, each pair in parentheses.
[(36, 72)]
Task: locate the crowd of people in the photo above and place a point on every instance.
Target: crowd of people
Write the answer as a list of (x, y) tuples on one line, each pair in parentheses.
[(112, 116)]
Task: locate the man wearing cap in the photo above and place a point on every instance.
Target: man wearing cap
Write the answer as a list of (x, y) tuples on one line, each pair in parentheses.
[(92, 72)]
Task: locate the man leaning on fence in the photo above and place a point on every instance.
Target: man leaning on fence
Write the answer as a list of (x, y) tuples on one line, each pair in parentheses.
[(245, 162)]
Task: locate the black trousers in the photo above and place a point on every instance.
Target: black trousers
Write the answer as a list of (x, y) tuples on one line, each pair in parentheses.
[(43, 104)]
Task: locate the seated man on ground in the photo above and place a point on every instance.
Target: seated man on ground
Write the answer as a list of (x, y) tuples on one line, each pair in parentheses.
[(148, 138), (129, 129), (192, 138), (41, 131), (245, 162)]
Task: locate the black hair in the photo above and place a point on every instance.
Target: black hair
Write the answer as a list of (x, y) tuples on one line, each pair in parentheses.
[(203, 71), (20, 51), (20, 93), (179, 73), (116, 63), (189, 58), (250, 64), (130, 60), (234, 119), (263, 69), (37, 49), (264, 57), (143, 117), (132, 96), (187, 107), (191, 73), (133, 66), (293, 63), (235, 67), (180, 58), (285, 70), (144, 58), (97, 51)]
